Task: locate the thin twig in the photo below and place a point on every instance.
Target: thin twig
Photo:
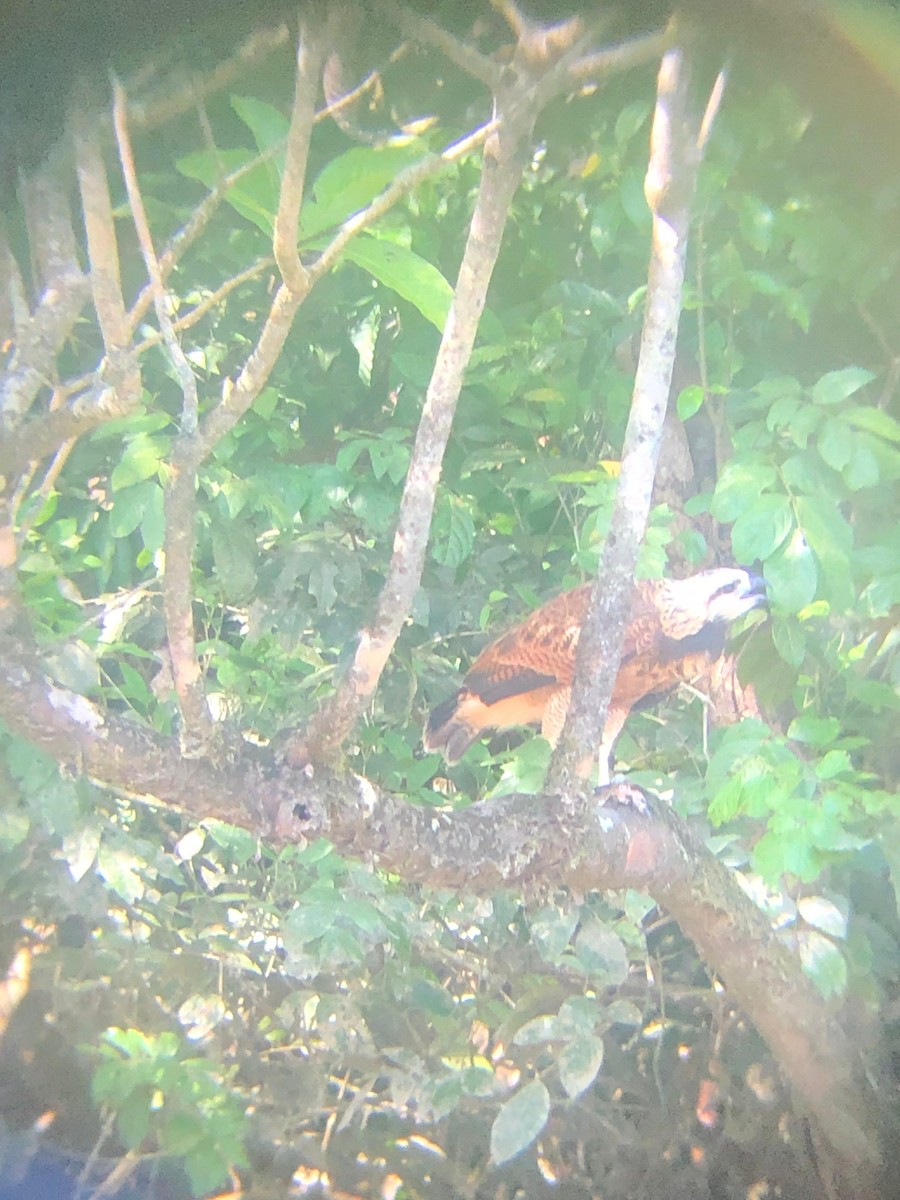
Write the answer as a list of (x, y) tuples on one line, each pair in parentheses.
[(198, 730), (467, 58), (187, 379), (310, 57)]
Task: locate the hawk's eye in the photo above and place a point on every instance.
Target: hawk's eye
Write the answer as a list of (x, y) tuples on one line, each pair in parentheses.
[(727, 588)]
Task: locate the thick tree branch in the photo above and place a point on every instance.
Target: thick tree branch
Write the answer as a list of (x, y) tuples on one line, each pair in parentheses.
[(44, 435), (522, 842), (668, 187), (38, 343)]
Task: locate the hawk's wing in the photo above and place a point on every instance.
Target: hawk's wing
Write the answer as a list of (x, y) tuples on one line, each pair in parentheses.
[(515, 678), (675, 628)]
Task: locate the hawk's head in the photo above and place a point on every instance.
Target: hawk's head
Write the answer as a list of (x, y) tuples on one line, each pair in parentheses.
[(706, 603)]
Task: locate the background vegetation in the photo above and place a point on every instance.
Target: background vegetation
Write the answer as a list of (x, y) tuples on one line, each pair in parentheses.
[(232, 1004)]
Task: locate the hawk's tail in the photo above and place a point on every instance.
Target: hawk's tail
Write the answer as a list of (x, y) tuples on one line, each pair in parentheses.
[(447, 732)]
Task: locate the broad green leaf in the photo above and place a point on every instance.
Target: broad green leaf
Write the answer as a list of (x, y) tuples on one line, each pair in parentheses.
[(792, 575), (757, 222), (181, 1131), (430, 998), (762, 528), (364, 915), (519, 1122), (862, 470), (740, 484), (307, 922), (453, 533), (823, 962), (268, 124), (120, 870), (831, 540), (129, 506), (838, 385), (80, 848), (814, 731), (254, 197), (140, 460), (579, 1064), (551, 930), (538, 1030), (153, 519), (579, 1015), (873, 420), (238, 845), (790, 642), (834, 763), (835, 443), (406, 273), (824, 915), (630, 120), (133, 1117), (234, 554), (690, 400), (601, 953), (207, 1167), (350, 182)]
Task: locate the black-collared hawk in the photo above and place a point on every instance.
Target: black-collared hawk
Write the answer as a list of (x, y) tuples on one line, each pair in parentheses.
[(676, 630)]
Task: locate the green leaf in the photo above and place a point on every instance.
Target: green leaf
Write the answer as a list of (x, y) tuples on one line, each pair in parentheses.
[(814, 731), (873, 420), (120, 870), (831, 540), (790, 642), (207, 1167), (551, 930), (538, 1030), (365, 916), (351, 182), (234, 554), (140, 460), (824, 915), (238, 845), (406, 273), (453, 533), (430, 998), (519, 1122), (792, 575), (838, 385), (835, 443), (180, 1132), (740, 484), (268, 124), (631, 120), (133, 1117), (306, 923), (255, 197), (823, 962), (153, 519), (128, 507), (601, 953), (862, 470), (690, 400), (762, 528), (580, 1063)]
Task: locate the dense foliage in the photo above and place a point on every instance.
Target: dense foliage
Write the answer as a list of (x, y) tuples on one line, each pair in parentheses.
[(224, 1000)]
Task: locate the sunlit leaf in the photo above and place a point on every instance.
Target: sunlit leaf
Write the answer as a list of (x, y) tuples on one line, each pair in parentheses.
[(519, 1121), (580, 1063)]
